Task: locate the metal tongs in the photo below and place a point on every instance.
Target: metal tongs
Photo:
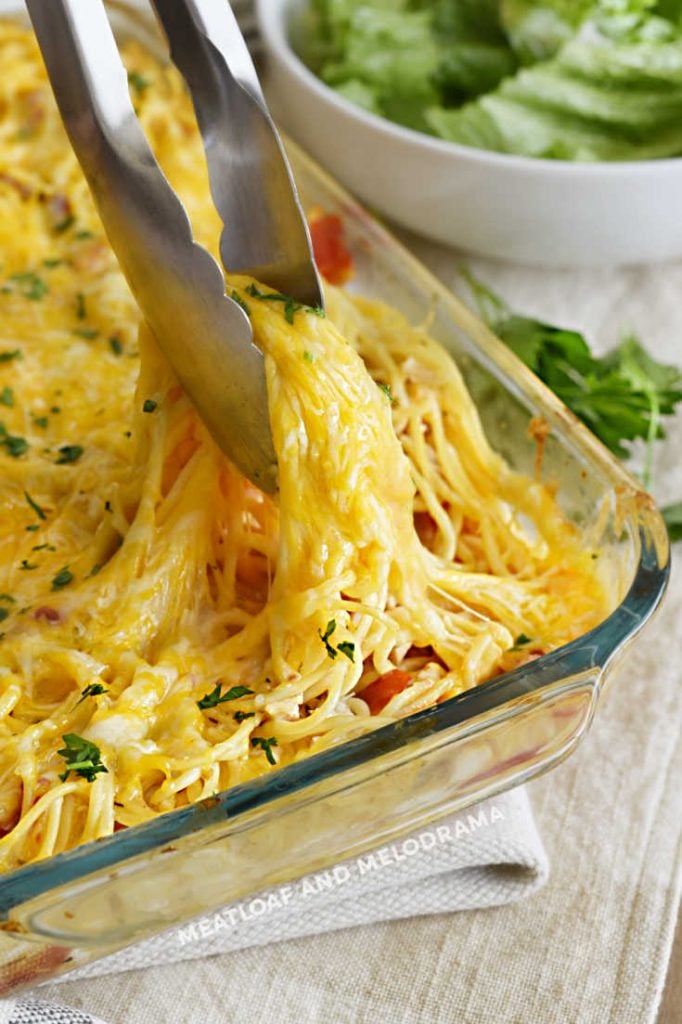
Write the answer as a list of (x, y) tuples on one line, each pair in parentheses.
[(180, 288)]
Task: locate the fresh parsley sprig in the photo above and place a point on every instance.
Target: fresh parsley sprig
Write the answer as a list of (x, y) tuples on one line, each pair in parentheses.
[(216, 696), (82, 757), (622, 396), (346, 647)]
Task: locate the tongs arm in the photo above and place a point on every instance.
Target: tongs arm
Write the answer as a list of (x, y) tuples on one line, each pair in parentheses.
[(178, 284), (265, 232)]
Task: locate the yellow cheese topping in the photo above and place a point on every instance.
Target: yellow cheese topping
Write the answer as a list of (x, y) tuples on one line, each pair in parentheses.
[(168, 630)]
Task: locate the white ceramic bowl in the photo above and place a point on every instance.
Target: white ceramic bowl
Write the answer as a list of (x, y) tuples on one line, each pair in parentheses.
[(542, 212)]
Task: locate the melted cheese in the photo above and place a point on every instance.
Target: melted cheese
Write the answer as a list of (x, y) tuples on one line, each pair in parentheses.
[(138, 570)]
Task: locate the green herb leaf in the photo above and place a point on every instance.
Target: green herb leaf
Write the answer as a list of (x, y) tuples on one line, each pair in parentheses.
[(324, 637), (64, 224), (26, 565), (69, 453), (41, 421), (4, 613), (80, 306), (62, 579), (236, 297), (30, 285), (82, 757), (7, 397), (8, 356), (216, 696), (91, 690), (620, 397), (89, 333), (386, 388), (138, 82), (8, 599), (115, 345), (241, 716), (309, 357), (15, 446), (35, 506), (149, 405), (266, 745), (347, 647)]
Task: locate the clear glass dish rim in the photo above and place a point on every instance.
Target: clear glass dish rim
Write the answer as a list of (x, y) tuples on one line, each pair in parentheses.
[(593, 651)]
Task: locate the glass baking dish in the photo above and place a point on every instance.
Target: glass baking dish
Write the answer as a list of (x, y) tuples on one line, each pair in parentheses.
[(65, 911)]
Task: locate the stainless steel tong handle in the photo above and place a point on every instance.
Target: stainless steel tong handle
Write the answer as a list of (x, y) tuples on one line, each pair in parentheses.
[(180, 288)]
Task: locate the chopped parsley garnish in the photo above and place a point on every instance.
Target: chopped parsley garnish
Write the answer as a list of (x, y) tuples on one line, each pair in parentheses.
[(386, 388), (41, 421), (80, 306), (15, 446), (30, 285), (8, 599), (115, 345), (52, 263), (89, 333), (521, 641), (240, 716), (266, 745), (91, 690), (3, 614), (62, 579), (621, 396), (347, 647), (82, 236), (309, 356), (65, 224), (35, 506), (69, 453), (26, 565), (138, 82), (149, 405), (236, 297), (216, 696), (82, 757), (8, 356), (55, 409), (44, 547), (107, 506), (7, 397), (291, 307), (95, 569), (33, 527), (324, 637)]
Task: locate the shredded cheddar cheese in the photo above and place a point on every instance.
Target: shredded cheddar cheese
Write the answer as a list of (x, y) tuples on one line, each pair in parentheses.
[(167, 629)]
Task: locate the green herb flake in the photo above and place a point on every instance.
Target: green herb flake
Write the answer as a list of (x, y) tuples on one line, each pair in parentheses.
[(14, 446), (91, 690), (33, 527), (386, 388), (138, 83), (241, 716), (62, 579), (216, 696), (7, 357), (26, 565), (81, 311), (7, 397), (52, 263), (236, 297), (4, 614), (324, 637), (41, 421), (149, 405), (44, 547), (82, 757), (115, 345), (83, 236), (30, 286), (347, 647), (8, 599), (94, 571), (309, 357), (266, 745), (69, 453), (88, 333), (65, 224)]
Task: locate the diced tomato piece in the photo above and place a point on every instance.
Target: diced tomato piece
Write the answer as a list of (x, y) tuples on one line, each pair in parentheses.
[(378, 693), (332, 256)]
